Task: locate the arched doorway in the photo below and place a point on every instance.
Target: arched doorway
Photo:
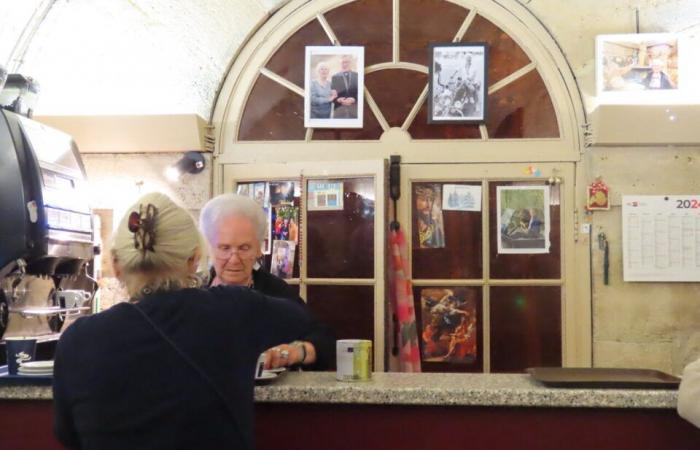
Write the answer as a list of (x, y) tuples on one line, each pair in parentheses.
[(533, 133)]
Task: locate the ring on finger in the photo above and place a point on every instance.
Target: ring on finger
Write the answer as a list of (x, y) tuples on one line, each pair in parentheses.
[(284, 354)]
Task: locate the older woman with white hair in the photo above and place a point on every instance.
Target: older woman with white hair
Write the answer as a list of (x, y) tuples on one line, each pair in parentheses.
[(322, 95), (235, 227), (172, 368)]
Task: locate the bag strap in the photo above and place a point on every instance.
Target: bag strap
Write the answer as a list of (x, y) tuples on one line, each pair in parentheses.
[(189, 361)]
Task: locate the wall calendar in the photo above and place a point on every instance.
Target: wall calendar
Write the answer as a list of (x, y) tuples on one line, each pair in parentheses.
[(661, 237)]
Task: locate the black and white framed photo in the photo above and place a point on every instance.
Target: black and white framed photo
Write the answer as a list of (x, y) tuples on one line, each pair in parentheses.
[(334, 87), (457, 83)]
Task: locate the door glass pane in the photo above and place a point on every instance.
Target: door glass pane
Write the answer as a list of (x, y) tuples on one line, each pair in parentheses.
[(349, 310), (341, 242), (366, 23), (446, 243), (525, 327), (524, 265), (449, 328)]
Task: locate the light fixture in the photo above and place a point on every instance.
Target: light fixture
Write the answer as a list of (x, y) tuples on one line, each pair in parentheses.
[(191, 162)]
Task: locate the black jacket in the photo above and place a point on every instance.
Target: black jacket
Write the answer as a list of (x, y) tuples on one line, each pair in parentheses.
[(320, 335), (118, 384)]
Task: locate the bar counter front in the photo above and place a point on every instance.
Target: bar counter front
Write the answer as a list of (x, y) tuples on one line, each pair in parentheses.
[(307, 410)]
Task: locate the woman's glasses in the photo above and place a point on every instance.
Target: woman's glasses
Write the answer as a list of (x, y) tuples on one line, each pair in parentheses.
[(244, 251)]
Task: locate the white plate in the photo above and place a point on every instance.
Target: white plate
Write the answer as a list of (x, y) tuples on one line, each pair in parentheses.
[(266, 375), (34, 374), (46, 365), (42, 371), (35, 370)]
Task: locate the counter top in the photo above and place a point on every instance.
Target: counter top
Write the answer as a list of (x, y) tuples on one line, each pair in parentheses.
[(513, 390)]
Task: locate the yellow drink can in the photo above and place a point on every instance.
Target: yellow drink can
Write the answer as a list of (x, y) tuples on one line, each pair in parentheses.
[(354, 360)]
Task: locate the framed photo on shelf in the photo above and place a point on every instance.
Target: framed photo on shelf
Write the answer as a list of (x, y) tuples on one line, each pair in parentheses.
[(632, 67), (458, 84), (334, 87)]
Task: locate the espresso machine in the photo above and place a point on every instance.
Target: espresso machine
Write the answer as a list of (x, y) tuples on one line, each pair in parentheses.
[(46, 231)]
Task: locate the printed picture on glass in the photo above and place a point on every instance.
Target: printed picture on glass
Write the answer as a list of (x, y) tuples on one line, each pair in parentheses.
[(458, 85), (244, 189), (324, 195), (523, 219), (427, 212), (285, 223), (259, 193), (267, 242), (281, 193), (283, 259), (334, 87), (449, 325), (633, 64), (461, 197)]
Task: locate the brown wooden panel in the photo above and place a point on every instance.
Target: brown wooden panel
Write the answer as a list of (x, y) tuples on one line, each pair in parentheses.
[(288, 60), (525, 327), (371, 130), (396, 91), (341, 243), (366, 23), (422, 22), (504, 55), (349, 310), (528, 266), (462, 255), (272, 112), (436, 330), (420, 129), (451, 427), (522, 109)]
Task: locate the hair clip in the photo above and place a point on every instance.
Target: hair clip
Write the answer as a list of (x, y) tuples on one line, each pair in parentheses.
[(144, 228), (134, 222)]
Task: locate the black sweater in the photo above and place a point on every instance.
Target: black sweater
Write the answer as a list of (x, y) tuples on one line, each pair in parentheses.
[(118, 384), (320, 335)]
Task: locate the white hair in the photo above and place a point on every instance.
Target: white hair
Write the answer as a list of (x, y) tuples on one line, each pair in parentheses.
[(164, 265), (231, 205), (321, 65)]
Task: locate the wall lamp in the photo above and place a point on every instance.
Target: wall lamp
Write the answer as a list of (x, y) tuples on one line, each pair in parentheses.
[(191, 162)]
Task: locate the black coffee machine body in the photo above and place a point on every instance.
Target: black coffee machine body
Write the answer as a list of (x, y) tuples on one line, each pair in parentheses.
[(46, 230)]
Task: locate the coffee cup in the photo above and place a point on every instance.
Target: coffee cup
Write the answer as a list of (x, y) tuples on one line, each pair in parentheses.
[(19, 350)]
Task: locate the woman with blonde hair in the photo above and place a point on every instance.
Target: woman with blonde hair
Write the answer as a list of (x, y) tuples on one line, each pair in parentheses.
[(174, 366)]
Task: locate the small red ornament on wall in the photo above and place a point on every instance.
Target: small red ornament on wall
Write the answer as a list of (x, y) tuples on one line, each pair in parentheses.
[(598, 196)]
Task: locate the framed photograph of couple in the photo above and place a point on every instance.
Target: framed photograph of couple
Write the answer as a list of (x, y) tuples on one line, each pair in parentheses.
[(458, 85), (334, 87)]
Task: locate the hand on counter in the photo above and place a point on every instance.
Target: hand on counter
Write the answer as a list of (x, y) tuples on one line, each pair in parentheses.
[(285, 355)]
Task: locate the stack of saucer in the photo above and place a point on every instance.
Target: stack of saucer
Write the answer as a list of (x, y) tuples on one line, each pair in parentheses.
[(36, 369)]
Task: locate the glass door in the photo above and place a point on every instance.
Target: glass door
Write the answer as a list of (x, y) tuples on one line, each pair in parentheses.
[(491, 265), (338, 263)]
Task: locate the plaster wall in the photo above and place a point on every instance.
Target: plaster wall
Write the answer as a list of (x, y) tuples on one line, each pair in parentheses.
[(652, 325)]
